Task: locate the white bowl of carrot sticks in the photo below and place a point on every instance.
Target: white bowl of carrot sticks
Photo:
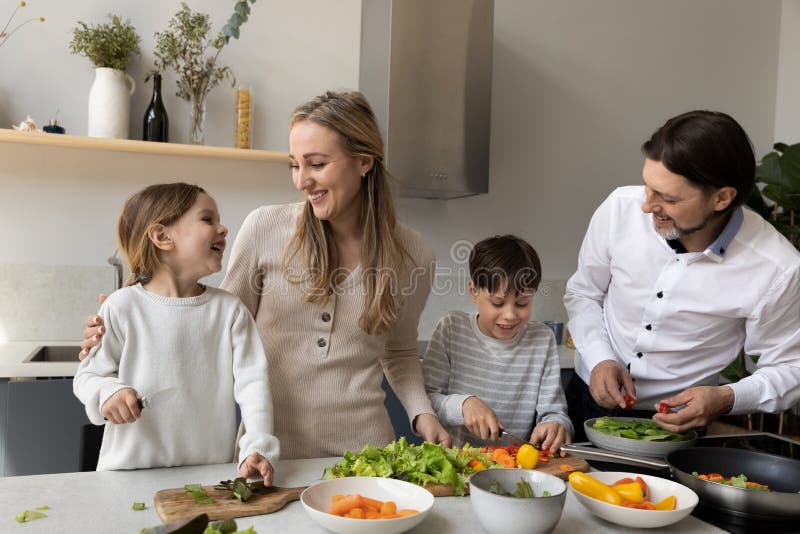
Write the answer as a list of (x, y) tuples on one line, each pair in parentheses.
[(364, 505)]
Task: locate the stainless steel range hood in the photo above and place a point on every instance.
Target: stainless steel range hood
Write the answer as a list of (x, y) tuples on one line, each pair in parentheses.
[(426, 68)]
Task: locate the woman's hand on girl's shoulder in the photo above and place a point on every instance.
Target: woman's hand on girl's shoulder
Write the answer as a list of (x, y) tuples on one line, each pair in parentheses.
[(92, 333)]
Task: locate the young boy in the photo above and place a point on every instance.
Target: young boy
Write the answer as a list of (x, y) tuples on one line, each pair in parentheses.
[(494, 369)]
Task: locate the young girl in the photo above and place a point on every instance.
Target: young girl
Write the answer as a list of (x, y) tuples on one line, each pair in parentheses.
[(184, 350)]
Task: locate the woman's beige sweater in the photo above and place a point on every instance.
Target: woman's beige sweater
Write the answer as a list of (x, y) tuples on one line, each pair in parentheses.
[(325, 372)]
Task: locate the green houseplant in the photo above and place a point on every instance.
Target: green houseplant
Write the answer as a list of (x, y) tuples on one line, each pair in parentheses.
[(110, 45), (190, 49), (110, 48)]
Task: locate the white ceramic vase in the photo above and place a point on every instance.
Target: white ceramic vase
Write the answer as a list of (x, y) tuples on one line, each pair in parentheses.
[(110, 103)]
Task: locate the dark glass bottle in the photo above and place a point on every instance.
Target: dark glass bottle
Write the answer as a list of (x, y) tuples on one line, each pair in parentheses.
[(156, 123)]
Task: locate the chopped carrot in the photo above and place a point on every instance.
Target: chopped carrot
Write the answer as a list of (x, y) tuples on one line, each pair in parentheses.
[(566, 467), (507, 461), (388, 508), (543, 459), (356, 513), (345, 504), (371, 504), (357, 506), (499, 453)]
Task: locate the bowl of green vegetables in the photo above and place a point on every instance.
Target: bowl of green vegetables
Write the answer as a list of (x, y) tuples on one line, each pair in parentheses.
[(634, 435)]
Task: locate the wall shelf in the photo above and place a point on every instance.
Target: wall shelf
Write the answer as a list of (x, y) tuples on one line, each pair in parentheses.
[(141, 147)]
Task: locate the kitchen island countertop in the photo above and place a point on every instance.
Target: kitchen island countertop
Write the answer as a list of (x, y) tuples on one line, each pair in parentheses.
[(100, 502), (14, 353)]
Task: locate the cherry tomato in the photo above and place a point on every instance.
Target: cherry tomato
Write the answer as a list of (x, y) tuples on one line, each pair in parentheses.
[(629, 402), (663, 407)]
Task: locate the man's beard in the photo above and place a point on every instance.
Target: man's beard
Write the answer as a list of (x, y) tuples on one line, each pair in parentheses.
[(677, 232)]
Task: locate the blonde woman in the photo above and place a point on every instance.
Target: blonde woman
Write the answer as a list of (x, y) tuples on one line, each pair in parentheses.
[(336, 286)]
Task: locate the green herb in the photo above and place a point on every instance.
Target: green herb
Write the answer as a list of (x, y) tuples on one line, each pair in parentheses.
[(428, 463), (224, 526), (241, 489), (523, 490), (546, 493), (196, 492), (184, 47), (44, 507), (29, 515), (106, 45), (138, 506), (641, 430)]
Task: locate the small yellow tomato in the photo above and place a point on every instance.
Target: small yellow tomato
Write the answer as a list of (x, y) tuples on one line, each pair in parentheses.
[(527, 457)]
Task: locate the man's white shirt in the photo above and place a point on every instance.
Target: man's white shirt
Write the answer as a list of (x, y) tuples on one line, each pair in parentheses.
[(676, 320)]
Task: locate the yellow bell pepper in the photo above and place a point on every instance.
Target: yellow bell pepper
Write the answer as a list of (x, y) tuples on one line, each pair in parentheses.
[(667, 503), (632, 492), (592, 487)]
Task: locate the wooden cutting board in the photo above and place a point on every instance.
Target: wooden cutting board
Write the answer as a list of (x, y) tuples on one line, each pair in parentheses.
[(552, 467), (175, 503)]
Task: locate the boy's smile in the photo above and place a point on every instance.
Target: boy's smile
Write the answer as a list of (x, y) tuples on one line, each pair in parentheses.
[(501, 314)]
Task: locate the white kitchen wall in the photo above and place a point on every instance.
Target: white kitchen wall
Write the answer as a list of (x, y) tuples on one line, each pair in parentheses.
[(787, 104), (578, 85)]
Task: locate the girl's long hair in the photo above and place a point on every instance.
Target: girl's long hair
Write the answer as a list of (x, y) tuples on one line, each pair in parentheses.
[(350, 115), (158, 204)]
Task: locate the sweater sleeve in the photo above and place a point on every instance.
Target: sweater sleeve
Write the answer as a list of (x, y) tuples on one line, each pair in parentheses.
[(436, 368), (401, 363), (552, 404), (97, 377), (251, 390)]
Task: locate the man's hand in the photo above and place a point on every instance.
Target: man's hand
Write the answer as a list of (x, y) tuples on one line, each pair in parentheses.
[(703, 405), (92, 333), (605, 382), (428, 426), (550, 435), (480, 419), (256, 465), (122, 407)]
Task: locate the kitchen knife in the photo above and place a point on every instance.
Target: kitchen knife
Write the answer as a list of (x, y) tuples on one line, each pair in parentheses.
[(156, 398), (514, 439)]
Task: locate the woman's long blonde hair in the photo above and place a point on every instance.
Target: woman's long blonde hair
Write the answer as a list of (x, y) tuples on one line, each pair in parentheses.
[(350, 115), (158, 204)]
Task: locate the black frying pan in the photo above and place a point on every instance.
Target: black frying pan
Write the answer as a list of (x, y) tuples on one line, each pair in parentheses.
[(781, 474)]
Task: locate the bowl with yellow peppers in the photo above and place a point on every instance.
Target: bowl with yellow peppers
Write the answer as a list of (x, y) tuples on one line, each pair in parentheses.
[(633, 500)]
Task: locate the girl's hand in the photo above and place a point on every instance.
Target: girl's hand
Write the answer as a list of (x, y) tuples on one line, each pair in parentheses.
[(92, 333), (550, 436), (256, 465), (122, 407), (428, 426), (480, 419)]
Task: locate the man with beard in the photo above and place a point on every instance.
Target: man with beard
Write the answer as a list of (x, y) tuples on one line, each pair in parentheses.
[(676, 277)]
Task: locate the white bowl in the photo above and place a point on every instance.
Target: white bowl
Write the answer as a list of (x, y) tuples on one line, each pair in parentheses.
[(511, 515), (638, 447), (316, 500), (660, 488)]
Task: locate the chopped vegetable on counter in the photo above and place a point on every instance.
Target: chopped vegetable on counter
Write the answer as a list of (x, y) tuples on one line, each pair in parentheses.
[(138, 506), (196, 492), (642, 430), (29, 515), (43, 507)]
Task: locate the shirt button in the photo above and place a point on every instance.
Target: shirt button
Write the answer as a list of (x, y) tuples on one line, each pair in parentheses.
[(321, 342), (660, 294), (326, 317), (648, 327), (639, 354)]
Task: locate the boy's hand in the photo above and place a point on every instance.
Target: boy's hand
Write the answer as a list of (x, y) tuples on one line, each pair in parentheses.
[(122, 407), (428, 426), (550, 435), (256, 465), (480, 419)]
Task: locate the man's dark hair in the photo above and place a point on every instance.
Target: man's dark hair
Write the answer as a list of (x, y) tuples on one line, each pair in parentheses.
[(505, 260), (708, 148)]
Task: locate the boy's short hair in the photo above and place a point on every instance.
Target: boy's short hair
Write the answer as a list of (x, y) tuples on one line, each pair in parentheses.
[(505, 260)]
